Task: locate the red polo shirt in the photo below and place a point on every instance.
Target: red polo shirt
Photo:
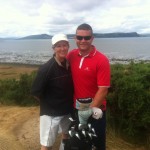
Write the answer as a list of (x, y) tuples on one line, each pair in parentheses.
[(89, 73)]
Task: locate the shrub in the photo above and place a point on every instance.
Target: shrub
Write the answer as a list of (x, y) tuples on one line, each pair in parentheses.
[(15, 91), (129, 100)]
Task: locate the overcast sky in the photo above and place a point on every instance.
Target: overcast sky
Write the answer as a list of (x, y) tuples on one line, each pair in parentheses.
[(20, 18)]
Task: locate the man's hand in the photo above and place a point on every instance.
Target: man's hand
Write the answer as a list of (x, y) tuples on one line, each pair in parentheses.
[(97, 113)]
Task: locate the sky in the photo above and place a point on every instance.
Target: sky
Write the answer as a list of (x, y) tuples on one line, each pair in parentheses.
[(19, 18)]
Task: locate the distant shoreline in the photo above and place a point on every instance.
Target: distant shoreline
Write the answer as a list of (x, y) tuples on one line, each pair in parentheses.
[(71, 36), (112, 61)]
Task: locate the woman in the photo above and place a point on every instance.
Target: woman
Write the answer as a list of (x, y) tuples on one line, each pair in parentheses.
[(53, 87)]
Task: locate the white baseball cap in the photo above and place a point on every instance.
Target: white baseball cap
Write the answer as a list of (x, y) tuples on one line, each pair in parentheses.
[(59, 37)]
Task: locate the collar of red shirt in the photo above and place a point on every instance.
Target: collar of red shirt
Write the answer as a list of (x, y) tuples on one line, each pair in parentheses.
[(91, 54)]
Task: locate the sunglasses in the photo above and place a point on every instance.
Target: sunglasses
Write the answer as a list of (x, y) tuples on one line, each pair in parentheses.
[(86, 38)]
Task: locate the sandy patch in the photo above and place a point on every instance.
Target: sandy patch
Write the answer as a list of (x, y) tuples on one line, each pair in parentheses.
[(19, 128), (11, 121)]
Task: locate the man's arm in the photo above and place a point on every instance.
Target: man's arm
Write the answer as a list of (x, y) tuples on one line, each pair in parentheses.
[(99, 97)]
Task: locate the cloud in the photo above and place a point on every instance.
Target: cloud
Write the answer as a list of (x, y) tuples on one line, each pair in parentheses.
[(25, 17)]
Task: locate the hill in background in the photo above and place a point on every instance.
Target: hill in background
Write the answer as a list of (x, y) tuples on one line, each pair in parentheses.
[(39, 36), (96, 35)]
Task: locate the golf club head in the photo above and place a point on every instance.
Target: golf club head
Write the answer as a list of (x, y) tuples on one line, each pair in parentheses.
[(77, 135), (70, 133), (89, 127), (84, 133), (90, 135), (94, 135), (73, 128), (93, 130), (71, 119), (82, 126)]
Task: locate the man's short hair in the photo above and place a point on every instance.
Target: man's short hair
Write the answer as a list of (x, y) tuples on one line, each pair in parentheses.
[(85, 26)]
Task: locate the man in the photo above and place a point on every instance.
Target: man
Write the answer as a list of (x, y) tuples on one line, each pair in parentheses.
[(53, 87), (91, 76)]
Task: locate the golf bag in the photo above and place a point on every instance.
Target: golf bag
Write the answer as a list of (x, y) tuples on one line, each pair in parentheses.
[(80, 136)]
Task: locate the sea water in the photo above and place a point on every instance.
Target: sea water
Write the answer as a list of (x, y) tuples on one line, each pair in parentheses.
[(38, 51)]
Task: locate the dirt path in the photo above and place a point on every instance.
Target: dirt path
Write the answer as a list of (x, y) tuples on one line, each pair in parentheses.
[(10, 119), (19, 130)]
